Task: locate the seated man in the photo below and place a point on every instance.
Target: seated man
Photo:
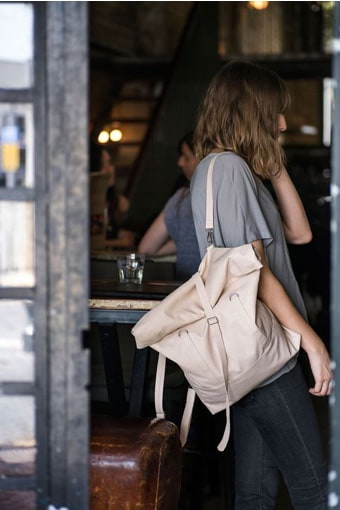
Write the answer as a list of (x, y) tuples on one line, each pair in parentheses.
[(173, 230)]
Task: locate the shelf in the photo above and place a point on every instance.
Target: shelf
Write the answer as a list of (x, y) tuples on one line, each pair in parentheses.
[(292, 66), (130, 121), (144, 99), (127, 68), (124, 144)]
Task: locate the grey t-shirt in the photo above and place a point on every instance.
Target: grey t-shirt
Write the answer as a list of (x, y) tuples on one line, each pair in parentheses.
[(180, 225), (244, 211)]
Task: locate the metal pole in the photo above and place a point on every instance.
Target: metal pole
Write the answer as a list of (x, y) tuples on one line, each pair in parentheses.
[(334, 473), (67, 225)]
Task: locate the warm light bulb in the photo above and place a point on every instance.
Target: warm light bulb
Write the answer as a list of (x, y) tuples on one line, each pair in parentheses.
[(116, 135), (258, 5), (103, 137)]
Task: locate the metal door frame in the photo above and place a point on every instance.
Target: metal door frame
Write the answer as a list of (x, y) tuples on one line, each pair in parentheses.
[(60, 102)]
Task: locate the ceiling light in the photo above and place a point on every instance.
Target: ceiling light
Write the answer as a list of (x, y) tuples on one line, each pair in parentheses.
[(103, 137), (116, 135), (258, 5)]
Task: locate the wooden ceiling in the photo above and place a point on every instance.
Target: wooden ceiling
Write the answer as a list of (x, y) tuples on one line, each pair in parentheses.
[(130, 40)]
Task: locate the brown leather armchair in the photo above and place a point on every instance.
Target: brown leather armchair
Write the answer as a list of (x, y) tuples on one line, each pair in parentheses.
[(135, 464)]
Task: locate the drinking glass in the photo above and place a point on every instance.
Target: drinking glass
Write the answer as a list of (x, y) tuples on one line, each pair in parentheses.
[(131, 267)]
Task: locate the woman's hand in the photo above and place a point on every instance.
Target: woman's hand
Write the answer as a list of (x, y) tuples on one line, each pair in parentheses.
[(320, 364), (272, 293)]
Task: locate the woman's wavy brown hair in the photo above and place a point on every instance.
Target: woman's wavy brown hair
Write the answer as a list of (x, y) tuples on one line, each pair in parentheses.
[(240, 113)]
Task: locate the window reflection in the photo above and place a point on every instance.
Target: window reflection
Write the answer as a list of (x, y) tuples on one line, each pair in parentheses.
[(16, 341), (16, 145), (17, 435), (16, 45), (16, 244)]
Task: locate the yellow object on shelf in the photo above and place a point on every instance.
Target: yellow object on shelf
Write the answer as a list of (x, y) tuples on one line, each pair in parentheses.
[(10, 157)]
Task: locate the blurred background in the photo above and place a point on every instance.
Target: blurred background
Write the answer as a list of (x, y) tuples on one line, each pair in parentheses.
[(149, 64)]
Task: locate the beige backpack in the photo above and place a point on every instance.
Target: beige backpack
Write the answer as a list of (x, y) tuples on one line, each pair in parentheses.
[(226, 341)]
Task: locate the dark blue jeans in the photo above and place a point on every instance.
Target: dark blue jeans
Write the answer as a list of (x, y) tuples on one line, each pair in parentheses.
[(275, 430)]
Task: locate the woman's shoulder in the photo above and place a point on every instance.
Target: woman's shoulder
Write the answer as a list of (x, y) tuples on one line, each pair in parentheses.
[(232, 162), (228, 167), (228, 159), (180, 195)]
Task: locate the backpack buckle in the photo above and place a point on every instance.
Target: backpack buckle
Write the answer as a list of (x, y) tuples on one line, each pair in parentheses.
[(210, 236), (212, 320)]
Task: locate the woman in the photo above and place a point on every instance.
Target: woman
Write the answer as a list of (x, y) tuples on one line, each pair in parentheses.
[(173, 230), (275, 429)]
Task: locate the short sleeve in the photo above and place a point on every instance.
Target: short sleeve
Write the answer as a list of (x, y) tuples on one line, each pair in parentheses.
[(170, 212), (238, 211)]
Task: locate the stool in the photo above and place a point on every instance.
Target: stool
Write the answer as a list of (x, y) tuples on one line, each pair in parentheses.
[(135, 464)]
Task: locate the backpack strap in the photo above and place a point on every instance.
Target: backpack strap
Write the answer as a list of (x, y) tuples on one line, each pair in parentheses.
[(212, 322), (209, 206), (190, 400), (159, 390), (159, 385), (187, 415), (216, 332)]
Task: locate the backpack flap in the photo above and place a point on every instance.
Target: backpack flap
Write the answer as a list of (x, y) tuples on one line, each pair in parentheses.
[(223, 266), (183, 306), (178, 309)]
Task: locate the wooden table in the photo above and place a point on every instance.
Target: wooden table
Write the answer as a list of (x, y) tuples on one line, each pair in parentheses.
[(114, 303), (113, 254)]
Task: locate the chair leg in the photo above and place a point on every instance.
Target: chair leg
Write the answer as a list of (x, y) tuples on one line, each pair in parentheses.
[(139, 371), (113, 368)]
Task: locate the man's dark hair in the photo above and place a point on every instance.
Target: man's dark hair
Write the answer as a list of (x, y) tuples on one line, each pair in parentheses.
[(188, 139)]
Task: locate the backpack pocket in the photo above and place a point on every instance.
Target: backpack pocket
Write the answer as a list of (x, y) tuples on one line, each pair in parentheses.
[(243, 314), (245, 342), (197, 355)]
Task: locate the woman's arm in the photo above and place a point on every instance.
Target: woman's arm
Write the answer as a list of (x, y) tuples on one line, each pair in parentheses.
[(294, 219), (168, 248), (275, 297), (156, 240)]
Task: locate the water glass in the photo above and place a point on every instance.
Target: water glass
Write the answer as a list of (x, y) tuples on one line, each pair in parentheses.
[(131, 267)]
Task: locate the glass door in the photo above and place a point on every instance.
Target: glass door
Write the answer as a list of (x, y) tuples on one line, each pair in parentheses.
[(18, 381)]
